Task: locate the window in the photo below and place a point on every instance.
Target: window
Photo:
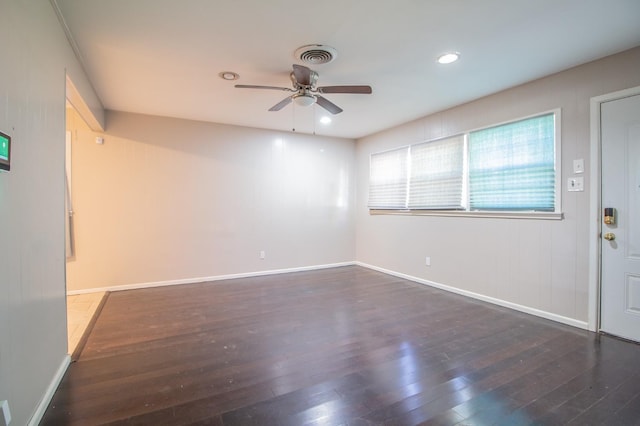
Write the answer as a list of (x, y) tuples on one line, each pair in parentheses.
[(388, 179), (436, 174), (510, 167)]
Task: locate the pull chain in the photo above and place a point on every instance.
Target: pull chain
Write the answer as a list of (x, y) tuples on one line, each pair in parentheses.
[(314, 119)]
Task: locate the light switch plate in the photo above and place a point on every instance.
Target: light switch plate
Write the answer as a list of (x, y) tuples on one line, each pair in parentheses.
[(578, 166), (575, 184)]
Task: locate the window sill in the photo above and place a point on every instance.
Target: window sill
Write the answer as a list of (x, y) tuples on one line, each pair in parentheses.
[(459, 213)]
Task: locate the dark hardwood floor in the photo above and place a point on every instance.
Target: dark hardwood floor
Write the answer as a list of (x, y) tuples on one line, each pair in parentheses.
[(344, 346)]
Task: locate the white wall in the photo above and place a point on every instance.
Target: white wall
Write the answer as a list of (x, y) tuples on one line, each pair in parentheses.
[(535, 263), (175, 200), (538, 264), (35, 54)]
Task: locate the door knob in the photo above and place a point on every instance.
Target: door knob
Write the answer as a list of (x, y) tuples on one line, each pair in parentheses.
[(609, 236)]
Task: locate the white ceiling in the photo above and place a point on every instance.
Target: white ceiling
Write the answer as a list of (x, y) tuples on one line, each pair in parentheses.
[(163, 57)]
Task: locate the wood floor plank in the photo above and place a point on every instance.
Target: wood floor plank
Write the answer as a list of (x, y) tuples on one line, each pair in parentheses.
[(341, 346)]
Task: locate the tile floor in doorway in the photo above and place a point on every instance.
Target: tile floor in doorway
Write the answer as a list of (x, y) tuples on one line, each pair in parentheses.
[(80, 310)]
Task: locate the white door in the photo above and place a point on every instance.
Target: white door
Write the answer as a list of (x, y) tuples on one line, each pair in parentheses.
[(620, 291)]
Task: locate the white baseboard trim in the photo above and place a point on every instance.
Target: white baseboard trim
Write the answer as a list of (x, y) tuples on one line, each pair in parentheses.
[(526, 309), (51, 389), (207, 279)]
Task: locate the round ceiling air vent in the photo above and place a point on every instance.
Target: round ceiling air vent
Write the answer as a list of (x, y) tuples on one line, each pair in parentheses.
[(316, 54)]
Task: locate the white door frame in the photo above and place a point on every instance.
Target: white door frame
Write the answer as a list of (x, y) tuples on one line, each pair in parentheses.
[(595, 205)]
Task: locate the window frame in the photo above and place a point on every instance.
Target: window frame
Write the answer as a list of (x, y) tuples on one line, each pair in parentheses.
[(557, 214)]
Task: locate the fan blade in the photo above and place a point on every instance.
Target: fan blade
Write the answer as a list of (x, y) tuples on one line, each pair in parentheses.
[(283, 103), (328, 105), (345, 89), (302, 74), (251, 86)]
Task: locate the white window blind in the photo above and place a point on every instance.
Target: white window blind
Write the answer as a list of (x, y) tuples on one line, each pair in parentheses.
[(436, 177), (512, 166), (388, 179)]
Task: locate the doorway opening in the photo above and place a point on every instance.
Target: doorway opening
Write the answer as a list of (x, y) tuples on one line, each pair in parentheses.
[(83, 306)]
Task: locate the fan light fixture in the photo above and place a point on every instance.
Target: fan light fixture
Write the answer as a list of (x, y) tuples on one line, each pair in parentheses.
[(304, 99), (448, 57)]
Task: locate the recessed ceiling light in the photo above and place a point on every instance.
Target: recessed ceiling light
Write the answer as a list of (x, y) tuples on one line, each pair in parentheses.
[(325, 120), (229, 75), (449, 57)]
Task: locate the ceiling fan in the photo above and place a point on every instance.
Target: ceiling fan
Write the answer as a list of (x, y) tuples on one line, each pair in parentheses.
[(306, 92)]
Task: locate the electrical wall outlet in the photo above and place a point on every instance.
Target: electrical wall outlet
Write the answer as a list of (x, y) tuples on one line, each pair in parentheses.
[(262, 255), (6, 413), (427, 261)]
